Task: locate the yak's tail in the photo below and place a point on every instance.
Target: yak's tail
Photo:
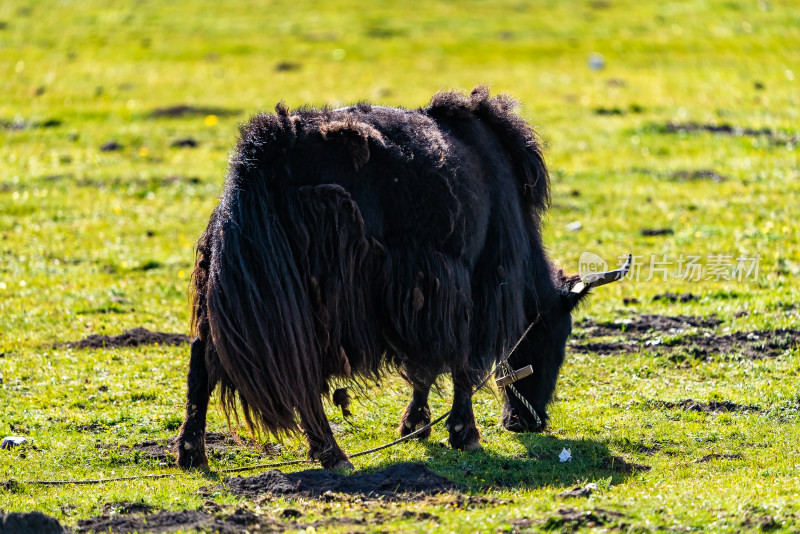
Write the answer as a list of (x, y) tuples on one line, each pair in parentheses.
[(261, 325), (281, 282)]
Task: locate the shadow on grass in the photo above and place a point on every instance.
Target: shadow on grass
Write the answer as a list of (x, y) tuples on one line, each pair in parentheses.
[(539, 466), (449, 471)]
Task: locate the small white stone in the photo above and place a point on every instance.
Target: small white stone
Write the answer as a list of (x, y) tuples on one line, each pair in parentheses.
[(12, 441)]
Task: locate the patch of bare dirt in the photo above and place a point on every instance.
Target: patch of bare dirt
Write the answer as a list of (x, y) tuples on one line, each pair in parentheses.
[(287, 66), (185, 110), (139, 182), (579, 492), (605, 347), (22, 124), (419, 516), (127, 508), (111, 146), (756, 344), (650, 232), (648, 449), (647, 323), (719, 456), (675, 297), (217, 444), (184, 142), (400, 481), (29, 523), (570, 520), (712, 407), (522, 524), (91, 427), (608, 111), (729, 129), (698, 175), (163, 521), (476, 501), (647, 331), (114, 181), (129, 338), (212, 517), (765, 523)]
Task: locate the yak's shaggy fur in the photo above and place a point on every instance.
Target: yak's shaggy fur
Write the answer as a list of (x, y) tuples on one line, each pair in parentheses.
[(347, 240)]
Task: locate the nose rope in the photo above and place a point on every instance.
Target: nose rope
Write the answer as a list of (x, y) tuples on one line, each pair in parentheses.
[(509, 372), (525, 403)]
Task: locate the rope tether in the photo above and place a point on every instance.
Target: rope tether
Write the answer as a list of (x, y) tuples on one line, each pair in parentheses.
[(503, 364)]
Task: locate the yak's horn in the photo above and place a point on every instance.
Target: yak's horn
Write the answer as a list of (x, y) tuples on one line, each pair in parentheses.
[(599, 279)]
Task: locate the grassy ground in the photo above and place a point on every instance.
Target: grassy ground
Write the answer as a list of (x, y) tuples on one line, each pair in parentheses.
[(95, 241)]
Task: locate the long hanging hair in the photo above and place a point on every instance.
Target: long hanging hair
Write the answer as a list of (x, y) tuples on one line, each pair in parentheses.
[(279, 286)]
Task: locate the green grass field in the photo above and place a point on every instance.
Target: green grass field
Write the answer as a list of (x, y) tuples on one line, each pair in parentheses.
[(657, 115)]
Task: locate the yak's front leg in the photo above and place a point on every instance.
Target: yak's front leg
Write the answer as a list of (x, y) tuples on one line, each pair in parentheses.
[(417, 413), (322, 445), (192, 434), (464, 434)]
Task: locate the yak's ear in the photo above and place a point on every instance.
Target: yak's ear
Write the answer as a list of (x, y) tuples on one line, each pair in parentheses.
[(354, 136), (573, 289)]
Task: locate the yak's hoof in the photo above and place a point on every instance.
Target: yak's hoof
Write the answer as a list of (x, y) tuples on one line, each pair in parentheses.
[(343, 466), (332, 459), (515, 425), (193, 461), (473, 446), (413, 420), (465, 439), (407, 427), (522, 421), (192, 455)]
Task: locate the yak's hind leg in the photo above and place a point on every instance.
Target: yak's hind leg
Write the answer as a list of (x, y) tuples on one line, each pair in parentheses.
[(464, 434), (192, 434), (322, 445), (417, 414)]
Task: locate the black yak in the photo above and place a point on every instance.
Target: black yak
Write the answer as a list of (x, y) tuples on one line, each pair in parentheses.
[(348, 241)]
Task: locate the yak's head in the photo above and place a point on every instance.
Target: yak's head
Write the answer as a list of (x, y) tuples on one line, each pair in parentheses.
[(542, 348)]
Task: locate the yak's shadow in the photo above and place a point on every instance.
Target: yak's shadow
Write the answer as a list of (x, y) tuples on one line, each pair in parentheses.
[(540, 465), (446, 470)]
